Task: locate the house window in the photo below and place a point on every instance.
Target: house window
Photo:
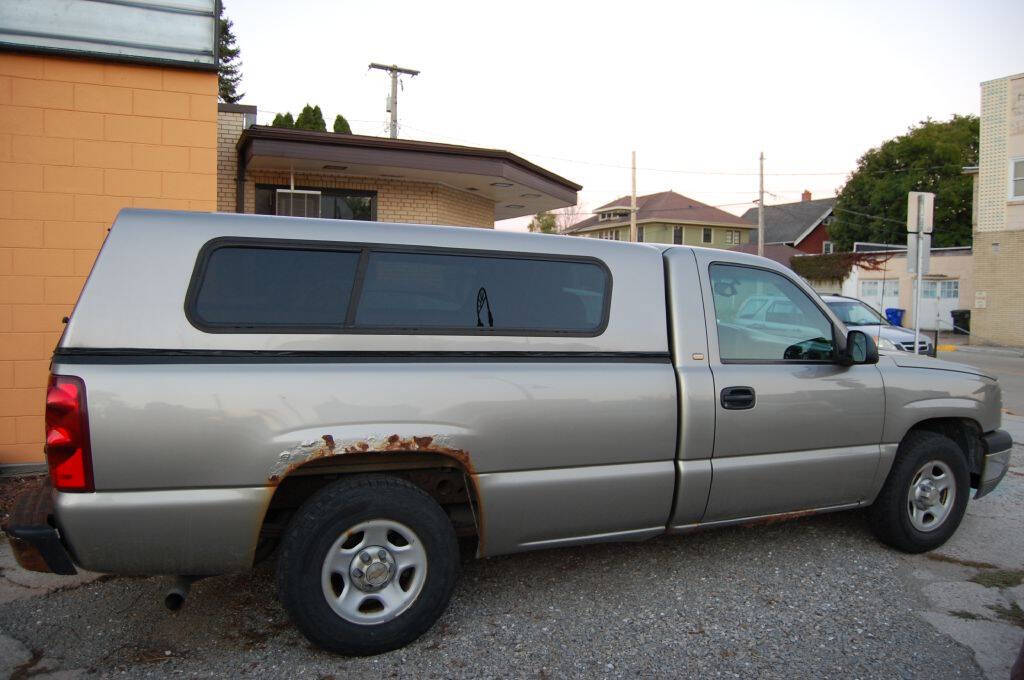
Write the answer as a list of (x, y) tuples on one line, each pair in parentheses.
[(677, 236), (1017, 178), (640, 234), (826, 248), (335, 204), (705, 235), (297, 203), (732, 237), (945, 290)]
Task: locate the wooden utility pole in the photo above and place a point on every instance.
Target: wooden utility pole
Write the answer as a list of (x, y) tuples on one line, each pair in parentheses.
[(760, 211), (632, 206), (393, 99)]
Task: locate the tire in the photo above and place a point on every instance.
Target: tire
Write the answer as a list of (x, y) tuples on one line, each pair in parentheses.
[(924, 462), (326, 600)]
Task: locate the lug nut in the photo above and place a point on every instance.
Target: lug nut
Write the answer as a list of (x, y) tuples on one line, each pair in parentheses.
[(365, 557), (357, 572), (381, 554)]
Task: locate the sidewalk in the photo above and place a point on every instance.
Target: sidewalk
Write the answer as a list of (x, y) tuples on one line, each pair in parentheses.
[(1015, 426), (955, 342)]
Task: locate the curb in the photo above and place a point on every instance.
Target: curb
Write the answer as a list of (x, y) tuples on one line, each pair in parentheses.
[(974, 349)]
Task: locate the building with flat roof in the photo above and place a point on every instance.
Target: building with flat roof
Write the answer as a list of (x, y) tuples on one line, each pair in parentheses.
[(283, 171)]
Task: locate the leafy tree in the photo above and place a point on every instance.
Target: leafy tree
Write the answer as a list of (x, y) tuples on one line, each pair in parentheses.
[(930, 157), (311, 118), (544, 223), (341, 125), (229, 63), (283, 120)]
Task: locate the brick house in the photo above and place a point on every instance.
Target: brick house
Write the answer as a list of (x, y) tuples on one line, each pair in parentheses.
[(997, 308), (268, 170), (802, 225), (666, 217), (87, 128)]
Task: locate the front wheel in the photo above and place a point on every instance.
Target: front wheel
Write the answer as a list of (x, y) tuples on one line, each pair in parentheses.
[(925, 496), (367, 565)]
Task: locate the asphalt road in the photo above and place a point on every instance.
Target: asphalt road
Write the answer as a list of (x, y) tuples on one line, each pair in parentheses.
[(1008, 369), (807, 599)]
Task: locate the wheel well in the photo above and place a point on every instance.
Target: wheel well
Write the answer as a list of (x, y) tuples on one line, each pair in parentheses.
[(440, 476), (967, 435)]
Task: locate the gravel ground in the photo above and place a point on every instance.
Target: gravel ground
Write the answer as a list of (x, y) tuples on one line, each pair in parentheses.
[(811, 598)]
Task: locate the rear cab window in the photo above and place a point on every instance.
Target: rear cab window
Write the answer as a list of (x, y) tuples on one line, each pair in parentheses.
[(252, 285)]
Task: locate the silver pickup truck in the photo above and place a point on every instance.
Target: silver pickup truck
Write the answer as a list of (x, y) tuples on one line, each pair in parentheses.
[(355, 397)]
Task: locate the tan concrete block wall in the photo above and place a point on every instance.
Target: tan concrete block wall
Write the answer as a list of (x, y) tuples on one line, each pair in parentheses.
[(79, 140), (997, 275), (229, 129), (397, 200)]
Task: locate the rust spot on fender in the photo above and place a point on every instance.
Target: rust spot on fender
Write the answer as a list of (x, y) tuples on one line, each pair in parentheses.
[(288, 461)]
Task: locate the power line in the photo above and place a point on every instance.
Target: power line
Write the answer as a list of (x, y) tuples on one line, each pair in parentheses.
[(873, 217)]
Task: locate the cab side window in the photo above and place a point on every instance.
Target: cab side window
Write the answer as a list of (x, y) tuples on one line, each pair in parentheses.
[(763, 316)]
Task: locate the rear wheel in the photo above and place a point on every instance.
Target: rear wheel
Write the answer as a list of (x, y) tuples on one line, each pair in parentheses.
[(925, 496), (367, 565)]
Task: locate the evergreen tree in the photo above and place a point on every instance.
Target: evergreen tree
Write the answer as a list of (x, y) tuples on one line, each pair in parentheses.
[(283, 120), (311, 118), (341, 125), (229, 63)]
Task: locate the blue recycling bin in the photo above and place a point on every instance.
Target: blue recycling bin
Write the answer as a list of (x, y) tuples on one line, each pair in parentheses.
[(894, 315)]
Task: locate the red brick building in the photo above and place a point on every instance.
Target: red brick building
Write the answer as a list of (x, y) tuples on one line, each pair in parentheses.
[(802, 225)]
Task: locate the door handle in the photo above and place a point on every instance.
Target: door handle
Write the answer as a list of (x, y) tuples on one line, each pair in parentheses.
[(738, 398)]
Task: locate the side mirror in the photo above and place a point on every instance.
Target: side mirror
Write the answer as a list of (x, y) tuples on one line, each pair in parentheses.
[(860, 349)]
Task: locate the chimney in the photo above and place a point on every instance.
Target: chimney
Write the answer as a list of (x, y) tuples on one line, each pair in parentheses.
[(806, 196)]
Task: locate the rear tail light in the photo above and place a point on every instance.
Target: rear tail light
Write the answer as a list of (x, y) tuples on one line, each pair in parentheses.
[(67, 434)]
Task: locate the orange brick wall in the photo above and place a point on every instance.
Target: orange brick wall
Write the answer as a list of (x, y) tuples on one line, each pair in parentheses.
[(79, 140)]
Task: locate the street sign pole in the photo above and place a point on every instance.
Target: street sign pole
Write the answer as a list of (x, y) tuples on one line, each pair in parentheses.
[(920, 210)]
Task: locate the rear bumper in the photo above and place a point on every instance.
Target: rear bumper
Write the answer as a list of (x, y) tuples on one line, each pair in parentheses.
[(33, 537), (996, 461), (199, 532)]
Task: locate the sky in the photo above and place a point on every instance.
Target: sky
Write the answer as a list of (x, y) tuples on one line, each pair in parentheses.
[(698, 90)]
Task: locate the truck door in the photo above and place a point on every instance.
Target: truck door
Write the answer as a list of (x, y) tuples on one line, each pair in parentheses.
[(794, 430)]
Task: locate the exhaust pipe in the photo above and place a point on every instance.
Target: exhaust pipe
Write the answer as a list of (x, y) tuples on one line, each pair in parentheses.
[(177, 593)]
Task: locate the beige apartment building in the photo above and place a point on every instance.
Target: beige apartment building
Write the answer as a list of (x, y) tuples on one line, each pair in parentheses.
[(997, 314)]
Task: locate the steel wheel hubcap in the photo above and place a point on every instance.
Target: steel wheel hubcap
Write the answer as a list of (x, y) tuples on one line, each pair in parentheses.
[(931, 496), (374, 571)]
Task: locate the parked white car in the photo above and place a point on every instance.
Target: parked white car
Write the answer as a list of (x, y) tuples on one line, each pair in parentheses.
[(862, 316)]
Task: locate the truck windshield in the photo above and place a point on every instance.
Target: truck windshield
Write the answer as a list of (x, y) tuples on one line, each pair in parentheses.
[(856, 313)]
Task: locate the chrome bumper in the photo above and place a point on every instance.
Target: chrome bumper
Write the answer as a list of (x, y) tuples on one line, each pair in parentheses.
[(997, 460)]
